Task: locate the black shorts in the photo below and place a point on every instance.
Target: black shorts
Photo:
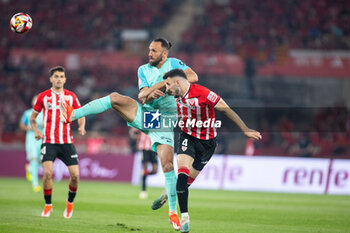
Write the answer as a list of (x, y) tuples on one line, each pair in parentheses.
[(200, 150), (65, 152), (149, 156)]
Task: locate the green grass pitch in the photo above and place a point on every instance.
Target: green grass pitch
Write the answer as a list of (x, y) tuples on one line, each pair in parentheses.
[(115, 207)]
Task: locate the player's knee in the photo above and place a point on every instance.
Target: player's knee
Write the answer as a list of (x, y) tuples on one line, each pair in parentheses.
[(116, 98), (74, 178), (47, 175), (168, 167)]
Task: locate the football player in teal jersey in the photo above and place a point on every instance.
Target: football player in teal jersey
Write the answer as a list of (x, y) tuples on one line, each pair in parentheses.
[(32, 146), (157, 105)]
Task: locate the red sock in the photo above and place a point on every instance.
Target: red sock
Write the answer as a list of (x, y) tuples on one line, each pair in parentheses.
[(71, 194), (47, 196), (190, 181)]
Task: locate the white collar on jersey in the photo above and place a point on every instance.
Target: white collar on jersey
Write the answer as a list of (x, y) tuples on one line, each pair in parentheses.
[(60, 93)]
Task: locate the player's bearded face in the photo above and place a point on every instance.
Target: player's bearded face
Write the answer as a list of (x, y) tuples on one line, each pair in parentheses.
[(154, 61), (172, 88), (156, 53)]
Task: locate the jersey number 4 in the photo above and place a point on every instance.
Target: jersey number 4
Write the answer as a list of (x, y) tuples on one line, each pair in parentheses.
[(43, 150)]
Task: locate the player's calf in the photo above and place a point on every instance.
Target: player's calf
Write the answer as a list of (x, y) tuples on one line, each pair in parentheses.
[(182, 189)]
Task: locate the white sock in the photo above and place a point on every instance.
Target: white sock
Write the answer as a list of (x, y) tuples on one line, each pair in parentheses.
[(184, 215)]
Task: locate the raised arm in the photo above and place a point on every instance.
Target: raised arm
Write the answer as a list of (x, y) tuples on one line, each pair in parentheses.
[(191, 75), (233, 116), (144, 94)]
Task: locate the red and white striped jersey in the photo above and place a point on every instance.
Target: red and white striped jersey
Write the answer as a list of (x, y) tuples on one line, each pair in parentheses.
[(144, 142), (55, 131), (196, 111)]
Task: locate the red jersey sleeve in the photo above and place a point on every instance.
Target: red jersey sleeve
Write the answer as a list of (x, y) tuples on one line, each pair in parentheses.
[(38, 106), (76, 103), (212, 98)]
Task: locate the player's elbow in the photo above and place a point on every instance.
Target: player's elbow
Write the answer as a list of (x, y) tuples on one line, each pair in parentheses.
[(194, 78), (22, 126)]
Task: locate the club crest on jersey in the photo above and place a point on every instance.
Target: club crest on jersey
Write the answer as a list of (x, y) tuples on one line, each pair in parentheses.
[(189, 103), (184, 148), (192, 102), (152, 120)]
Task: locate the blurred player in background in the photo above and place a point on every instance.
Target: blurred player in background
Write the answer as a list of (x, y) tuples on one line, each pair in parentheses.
[(152, 87), (57, 137), (144, 145), (196, 144), (32, 146)]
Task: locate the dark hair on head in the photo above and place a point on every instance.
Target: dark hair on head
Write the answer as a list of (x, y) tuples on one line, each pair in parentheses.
[(165, 44), (56, 68), (175, 73)]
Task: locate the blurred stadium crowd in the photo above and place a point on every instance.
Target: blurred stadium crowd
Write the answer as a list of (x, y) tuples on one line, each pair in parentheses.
[(238, 25), (81, 25), (250, 29), (224, 26)]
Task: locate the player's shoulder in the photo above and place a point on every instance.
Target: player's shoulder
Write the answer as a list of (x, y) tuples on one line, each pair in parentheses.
[(143, 69), (177, 63), (144, 66), (173, 59), (199, 89), (44, 93)]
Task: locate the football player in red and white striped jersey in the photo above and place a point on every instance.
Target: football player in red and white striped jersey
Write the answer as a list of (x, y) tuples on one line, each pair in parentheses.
[(57, 137), (197, 121)]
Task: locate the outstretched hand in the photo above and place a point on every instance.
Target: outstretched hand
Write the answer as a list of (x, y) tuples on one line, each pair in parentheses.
[(250, 133), (156, 94)]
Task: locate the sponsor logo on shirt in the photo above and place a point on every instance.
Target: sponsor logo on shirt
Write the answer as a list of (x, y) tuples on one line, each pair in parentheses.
[(53, 107), (212, 97)]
